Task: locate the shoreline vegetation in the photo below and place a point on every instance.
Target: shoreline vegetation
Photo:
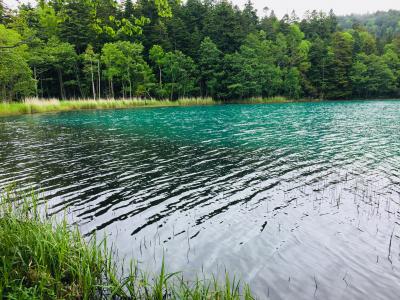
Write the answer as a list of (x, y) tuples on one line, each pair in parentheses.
[(41, 258), (196, 48), (34, 105)]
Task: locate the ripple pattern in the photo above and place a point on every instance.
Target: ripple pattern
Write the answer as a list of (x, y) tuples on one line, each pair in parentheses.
[(301, 200)]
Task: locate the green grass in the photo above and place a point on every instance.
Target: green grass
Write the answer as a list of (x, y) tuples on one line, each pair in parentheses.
[(41, 258), (32, 106)]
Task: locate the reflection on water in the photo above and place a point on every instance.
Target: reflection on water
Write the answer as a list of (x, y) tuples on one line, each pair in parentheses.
[(299, 200)]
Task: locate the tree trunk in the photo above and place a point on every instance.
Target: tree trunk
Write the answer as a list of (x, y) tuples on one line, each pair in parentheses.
[(112, 88), (93, 87), (130, 83), (79, 83), (99, 77), (61, 82), (36, 81)]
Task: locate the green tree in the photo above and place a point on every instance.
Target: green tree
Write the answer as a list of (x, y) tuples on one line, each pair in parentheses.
[(5, 14), (292, 83), (129, 9), (392, 60), (48, 21), (16, 79), (62, 58), (157, 56), (270, 25), (2, 12), (363, 41), (359, 78), (91, 67), (179, 75), (339, 73), (77, 23), (253, 71), (320, 58), (210, 59), (223, 26), (125, 65), (249, 18), (372, 77)]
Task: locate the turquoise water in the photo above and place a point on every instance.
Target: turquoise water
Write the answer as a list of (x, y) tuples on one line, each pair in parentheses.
[(300, 200)]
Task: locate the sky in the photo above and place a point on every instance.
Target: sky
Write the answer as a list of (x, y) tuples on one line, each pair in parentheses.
[(281, 7), (340, 7)]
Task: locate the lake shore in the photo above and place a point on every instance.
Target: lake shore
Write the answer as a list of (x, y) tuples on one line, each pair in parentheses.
[(33, 106), (48, 259)]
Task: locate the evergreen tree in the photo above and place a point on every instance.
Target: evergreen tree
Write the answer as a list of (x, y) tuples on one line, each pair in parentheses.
[(72, 48), (76, 27), (339, 73), (320, 63), (210, 59), (223, 26)]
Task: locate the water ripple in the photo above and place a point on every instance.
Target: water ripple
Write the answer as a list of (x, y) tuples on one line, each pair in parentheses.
[(300, 200)]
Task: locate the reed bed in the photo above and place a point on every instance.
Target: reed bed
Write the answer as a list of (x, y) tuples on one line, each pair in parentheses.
[(34, 105), (41, 258)]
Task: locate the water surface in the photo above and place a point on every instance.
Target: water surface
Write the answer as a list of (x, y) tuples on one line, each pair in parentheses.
[(300, 200)]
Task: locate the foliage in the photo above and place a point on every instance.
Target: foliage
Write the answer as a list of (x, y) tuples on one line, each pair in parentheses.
[(15, 75), (210, 60), (180, 74), (124, 64), (383, 25), (173, 49)]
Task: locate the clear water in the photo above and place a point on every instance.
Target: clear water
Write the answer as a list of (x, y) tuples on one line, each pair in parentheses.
[(300, 200)]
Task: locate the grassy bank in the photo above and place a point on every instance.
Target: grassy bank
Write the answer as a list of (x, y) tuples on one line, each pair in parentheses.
[(31, 106), (44, 259)]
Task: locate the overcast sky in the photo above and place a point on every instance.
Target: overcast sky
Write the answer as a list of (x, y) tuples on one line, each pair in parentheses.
[(341, 7)]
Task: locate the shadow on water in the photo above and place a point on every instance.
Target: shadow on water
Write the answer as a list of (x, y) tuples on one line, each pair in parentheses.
[(300, 200)]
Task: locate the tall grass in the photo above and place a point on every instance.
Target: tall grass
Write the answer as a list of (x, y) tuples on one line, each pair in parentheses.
[(33, 105), (41, 258)]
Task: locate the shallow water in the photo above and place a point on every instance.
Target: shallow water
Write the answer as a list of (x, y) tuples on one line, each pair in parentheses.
[(300, 200)]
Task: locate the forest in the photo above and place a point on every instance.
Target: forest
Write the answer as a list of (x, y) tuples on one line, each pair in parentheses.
[(198, 48)]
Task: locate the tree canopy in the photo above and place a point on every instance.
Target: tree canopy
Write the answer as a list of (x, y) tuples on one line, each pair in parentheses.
[(196, 48)]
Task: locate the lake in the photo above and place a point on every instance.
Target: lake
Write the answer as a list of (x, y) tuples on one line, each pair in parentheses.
[(300, 200)]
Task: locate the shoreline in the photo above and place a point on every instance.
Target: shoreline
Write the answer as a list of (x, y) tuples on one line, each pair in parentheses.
[(50, 259), (37, 106)]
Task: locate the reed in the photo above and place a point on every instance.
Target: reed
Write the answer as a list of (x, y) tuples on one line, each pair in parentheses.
[(41, 258), (34, 105)]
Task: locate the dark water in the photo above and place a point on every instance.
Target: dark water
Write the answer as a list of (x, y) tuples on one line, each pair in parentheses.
[(300, 200)]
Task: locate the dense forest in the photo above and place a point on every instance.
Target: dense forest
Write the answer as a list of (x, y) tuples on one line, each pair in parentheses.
[(199, 48), (384, 25)]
